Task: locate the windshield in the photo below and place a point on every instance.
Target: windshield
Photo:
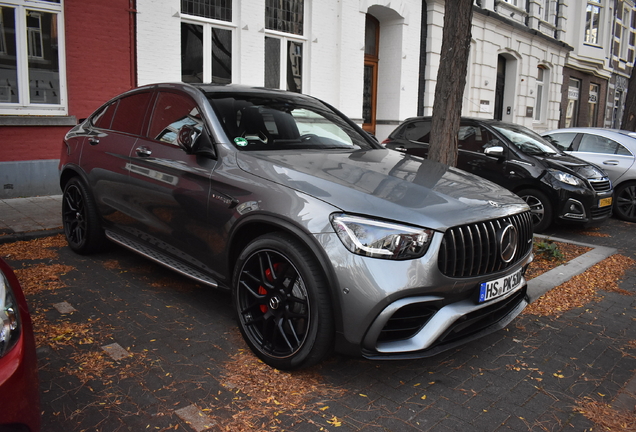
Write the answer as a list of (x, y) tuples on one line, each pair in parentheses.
[(526, 140), (259, 122)]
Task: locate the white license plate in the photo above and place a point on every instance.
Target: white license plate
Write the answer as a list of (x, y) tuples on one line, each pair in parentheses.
[(499, 287)]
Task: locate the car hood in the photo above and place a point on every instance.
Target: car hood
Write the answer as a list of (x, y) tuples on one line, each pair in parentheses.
[(569, 163), (385, 184)]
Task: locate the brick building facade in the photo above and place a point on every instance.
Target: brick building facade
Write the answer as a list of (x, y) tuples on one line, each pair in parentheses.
[(58, 63)]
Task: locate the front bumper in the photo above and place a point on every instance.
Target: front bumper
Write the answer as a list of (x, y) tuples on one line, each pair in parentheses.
[(452, 326), (586, 207), (443, 312)]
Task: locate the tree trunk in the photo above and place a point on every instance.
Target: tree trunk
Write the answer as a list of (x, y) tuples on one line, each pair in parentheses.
[(629, 115), (451, 80)]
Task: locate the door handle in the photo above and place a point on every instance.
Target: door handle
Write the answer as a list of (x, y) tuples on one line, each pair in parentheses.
[(143, 151), (93, 141), (610, 162)]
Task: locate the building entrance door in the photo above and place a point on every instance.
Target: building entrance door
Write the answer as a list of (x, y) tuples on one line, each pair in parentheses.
[(500, 87), (370, 90)]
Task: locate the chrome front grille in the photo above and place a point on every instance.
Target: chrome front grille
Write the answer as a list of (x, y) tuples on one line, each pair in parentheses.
[(473, 250), (601, 185)]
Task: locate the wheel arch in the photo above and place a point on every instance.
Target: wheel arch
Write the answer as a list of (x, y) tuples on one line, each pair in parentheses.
[(540, 186), (69, 172), (255, 226)]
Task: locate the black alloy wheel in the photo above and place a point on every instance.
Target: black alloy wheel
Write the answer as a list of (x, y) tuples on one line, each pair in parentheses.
[(282, 304), (540, 208), (625, 202), (79, 216)]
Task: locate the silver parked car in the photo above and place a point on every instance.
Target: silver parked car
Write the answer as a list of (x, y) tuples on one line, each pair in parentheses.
[(611, 149), (324, 238)]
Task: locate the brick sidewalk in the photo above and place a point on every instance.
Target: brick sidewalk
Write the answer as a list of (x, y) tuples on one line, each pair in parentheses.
[(184, 343), (184, 348)]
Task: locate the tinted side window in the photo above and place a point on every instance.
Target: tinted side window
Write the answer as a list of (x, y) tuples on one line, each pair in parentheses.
[(476, 139), (623, 151), (105, 117), (172, 111), (419, 131), (597, 144), (563, 141), (130, 113)]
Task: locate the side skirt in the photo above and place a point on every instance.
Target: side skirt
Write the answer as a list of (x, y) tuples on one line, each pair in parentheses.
[(161, 258)]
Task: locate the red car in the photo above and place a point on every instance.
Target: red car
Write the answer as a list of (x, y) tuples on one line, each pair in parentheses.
[(19, 391)]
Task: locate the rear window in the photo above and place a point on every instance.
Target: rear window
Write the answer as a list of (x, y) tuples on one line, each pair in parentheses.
[(256, 122), (130, 113), (104, 118), (418, 131)]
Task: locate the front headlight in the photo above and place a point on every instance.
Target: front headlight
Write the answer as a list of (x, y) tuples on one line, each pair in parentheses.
[(566, 178), (379, 239), (9, 317)]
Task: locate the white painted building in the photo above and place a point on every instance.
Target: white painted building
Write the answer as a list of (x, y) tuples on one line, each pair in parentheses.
[(516, 62), (315, 47), (372, 59)]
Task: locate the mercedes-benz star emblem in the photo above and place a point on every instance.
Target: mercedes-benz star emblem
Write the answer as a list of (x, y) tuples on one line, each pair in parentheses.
[(508, 241), (274, 302)]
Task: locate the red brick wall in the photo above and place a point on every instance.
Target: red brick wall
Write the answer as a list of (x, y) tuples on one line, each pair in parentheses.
[(99, 65), (24, 143), (99, 52)]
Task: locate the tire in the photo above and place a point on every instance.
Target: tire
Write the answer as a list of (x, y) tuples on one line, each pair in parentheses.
[(82, 226), (540, 208), (625, 202), (282, 302)]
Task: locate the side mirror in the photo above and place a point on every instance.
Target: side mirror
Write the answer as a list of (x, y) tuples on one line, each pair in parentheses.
[(186, 137), (496, 151)]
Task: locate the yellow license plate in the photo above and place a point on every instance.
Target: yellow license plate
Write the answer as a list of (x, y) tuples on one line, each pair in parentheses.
[(604, 202)]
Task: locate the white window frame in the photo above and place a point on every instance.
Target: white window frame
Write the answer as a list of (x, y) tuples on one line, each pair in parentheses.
[(542, 92), (291, 37), (208, 24), (24, 106), (545, 14), (284, 38), (599, 5), (626, 31)]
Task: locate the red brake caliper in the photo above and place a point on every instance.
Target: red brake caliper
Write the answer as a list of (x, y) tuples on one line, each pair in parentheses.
[(262, 290)]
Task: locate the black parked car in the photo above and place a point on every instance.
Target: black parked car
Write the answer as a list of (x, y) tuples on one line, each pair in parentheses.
[(557, 186)]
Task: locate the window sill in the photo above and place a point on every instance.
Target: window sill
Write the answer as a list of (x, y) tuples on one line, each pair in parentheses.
[(13, 120)]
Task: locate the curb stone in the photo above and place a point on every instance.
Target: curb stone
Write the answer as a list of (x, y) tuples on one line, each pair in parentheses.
[(563, 273), (29, 235)]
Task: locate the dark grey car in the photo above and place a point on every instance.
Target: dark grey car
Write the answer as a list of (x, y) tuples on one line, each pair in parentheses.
[(324, 238)]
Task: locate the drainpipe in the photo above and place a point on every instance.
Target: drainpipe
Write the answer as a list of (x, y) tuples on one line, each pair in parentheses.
[(422, 77), (132, 27)]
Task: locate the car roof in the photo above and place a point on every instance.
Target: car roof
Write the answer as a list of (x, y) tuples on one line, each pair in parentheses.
[(593, 130), (209, 89), (492, 122)]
